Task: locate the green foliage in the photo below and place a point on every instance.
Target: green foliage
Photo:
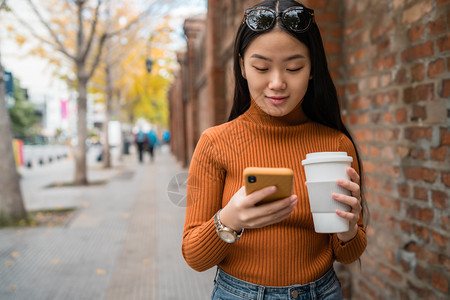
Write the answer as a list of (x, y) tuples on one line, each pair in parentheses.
[(22, 114)]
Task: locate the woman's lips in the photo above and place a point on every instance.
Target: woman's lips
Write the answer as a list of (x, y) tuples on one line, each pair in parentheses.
[(277, 100)]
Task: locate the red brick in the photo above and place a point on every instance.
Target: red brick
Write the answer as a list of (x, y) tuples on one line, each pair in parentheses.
[(440, 282), (420, 51), (416, 133), (444, 43), (420, 93), (317, 4), (386, 134), (436, 67), (417, 12), (360, 69), (386, 98), (418, 72), (445, 222), (439, 153), (389, 203), (421, 214), (445, 177), (401, 115), (382, 29), (389, 255), (445, 88), (388, 153), (384, 63), (422, 273), (352, 88), (355, 25), (439, 239), (445, 136), (391, 273), (437, 27), (443, 3), (420, 193), (401, 76), (405, 226), (403, 191), (384, 46), (362, 135), (418, 154), (416, 32), (439, 199), (403, 152), (361, 102), (422, 232), (332, 47), (444, 261), (419, 113), (331, 17)]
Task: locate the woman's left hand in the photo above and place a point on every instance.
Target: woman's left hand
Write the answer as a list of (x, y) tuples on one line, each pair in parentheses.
[(354, 201)]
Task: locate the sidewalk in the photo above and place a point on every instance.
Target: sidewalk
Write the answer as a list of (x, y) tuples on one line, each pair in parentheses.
[(122, 242)]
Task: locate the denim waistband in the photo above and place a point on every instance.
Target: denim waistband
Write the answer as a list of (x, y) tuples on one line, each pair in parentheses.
[(254, 291)]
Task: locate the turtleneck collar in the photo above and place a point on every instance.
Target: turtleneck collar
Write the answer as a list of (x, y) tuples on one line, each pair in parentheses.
[(256, 115)]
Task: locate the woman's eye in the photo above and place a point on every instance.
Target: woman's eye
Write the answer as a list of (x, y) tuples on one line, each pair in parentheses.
[(294, 70), (261, 69)]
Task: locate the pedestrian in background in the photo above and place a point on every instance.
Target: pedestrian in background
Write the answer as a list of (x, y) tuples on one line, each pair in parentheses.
[(285, 106), (141, 141), (152, 141)]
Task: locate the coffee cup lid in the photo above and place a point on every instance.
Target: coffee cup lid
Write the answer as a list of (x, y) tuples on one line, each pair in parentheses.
[(320, 157)]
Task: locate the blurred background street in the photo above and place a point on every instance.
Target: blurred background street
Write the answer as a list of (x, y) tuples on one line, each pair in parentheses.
[(122, 239)]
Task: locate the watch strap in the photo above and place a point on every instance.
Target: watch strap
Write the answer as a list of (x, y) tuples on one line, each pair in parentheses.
[(221, 227)]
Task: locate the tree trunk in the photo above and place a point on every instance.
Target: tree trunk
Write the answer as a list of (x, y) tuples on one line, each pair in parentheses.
[(11, 201), (108, 109), (80, 154)]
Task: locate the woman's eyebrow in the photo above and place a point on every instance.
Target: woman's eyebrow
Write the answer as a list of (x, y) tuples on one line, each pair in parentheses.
[(295, 56)]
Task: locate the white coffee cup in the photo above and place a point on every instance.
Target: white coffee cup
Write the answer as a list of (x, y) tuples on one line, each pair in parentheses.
[(322, 170), (326, 166), (323, 206)]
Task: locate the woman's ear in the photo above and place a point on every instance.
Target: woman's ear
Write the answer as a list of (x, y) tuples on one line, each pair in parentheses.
[(241, 63)]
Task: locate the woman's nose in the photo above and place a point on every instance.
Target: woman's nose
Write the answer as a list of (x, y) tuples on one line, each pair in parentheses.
[(277, 82)]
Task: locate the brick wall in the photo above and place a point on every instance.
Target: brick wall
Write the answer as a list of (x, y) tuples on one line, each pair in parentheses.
[(390, 61), (396, 61)]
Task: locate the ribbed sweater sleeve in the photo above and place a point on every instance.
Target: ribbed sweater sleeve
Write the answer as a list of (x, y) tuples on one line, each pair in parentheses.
[(350, 251), (201, 247)]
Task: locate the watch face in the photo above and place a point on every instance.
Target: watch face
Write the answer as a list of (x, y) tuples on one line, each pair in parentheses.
[(227, 236)]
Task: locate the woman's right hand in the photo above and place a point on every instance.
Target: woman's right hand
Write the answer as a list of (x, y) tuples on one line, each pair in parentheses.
[(243, 212)]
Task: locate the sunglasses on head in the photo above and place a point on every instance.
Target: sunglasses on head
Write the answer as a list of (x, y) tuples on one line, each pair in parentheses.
[(296, 18)]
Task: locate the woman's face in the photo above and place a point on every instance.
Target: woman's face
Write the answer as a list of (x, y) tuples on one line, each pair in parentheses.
[(277, 67)]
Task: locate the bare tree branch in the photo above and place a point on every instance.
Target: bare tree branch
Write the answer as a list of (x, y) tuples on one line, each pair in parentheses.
[(92, 33), (50, 30), (98, 55), (144, 14), (37, 36)]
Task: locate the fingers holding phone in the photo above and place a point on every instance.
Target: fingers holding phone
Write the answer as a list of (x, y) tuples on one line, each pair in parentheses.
[(266, 198)]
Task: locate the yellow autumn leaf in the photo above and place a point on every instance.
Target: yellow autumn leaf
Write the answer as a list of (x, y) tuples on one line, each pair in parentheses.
[(101, 272), (9, 263), (20, 40), (15, 254), (146, 261), (55, 261), (13, 287)]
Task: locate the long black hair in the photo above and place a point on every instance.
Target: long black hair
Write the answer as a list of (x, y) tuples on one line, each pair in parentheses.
[(320, 103)]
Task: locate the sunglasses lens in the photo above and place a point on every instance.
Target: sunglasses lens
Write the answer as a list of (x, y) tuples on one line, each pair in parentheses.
[(260, 19), (297, 20)]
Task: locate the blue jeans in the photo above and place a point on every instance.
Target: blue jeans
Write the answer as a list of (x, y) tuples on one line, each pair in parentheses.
[(227, 287)]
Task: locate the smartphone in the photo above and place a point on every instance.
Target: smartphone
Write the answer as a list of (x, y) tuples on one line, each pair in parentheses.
[(258, 178)]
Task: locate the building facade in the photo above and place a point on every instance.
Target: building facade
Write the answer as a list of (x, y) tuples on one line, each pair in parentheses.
[(390, 61)]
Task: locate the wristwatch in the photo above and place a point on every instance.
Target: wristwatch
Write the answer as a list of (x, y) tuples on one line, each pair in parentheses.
[(227, 235)]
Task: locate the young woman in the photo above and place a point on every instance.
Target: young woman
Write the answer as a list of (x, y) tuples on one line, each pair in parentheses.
[(285, 106)]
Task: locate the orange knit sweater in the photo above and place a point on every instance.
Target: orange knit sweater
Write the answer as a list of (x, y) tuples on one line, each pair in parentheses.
[(283, 254)]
